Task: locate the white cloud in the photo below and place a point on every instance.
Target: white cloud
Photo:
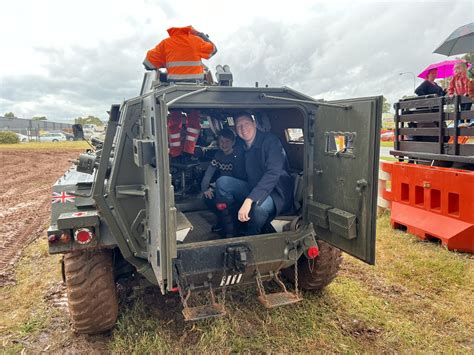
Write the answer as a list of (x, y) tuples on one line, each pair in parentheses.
[(66, 59)]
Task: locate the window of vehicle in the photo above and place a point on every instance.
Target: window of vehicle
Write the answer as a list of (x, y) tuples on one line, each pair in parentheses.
[(340, 143), (294, 135)]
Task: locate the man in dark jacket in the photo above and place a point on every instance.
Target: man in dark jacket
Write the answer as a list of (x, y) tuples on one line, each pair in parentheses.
[(268, 190)]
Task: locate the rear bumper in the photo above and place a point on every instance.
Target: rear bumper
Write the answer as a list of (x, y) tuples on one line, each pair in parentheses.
[(231, 262)]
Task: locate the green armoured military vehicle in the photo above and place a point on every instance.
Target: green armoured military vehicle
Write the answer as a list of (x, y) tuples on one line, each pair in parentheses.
[(127, 209)]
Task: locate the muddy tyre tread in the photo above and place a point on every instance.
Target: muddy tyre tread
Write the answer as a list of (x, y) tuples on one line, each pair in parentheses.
[(325, 268), (92, 297)]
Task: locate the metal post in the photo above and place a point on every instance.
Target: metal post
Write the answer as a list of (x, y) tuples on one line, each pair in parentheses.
[(397, 129), (457, 115), (441, 128)]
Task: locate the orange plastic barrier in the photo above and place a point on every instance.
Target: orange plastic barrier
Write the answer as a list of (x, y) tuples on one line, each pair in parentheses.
[(433, 203)]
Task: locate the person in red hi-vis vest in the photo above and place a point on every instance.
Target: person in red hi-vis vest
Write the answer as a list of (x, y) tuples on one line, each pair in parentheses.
[(181, 55)]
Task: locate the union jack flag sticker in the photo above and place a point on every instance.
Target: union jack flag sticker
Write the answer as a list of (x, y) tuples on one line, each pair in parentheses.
[(62, 197)]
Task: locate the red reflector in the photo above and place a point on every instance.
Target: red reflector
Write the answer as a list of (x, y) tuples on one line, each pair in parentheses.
[(52, 238), (175, 289), (83, 236), (221, 206), (313, 252)]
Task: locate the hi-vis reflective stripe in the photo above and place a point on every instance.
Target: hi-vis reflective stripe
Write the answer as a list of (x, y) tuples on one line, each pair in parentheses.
[(175, 144), (191, 138), (175, 135), (184, 64), (231, 280), (193, 130), (185, 76), (148, 64)]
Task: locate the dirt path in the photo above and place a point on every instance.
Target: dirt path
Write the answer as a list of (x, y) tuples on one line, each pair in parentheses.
[(26, 178)]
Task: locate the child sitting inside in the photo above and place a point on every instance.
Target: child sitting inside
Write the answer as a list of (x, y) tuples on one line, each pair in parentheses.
[(228, 161)]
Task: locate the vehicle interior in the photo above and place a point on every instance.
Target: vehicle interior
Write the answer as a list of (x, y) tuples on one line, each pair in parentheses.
[(194, 220)]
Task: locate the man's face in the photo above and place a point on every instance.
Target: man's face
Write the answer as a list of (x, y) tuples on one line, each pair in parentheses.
[(246, 128)]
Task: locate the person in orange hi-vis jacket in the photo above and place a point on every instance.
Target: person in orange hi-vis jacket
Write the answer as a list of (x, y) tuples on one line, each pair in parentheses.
[(181, 55)]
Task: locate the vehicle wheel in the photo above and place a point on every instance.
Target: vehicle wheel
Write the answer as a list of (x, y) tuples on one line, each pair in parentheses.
[(70, 139), (317, 274), (55, 140), (91, 293)]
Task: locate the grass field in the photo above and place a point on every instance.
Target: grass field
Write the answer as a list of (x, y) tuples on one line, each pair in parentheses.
[(47, 145), (386, 144), (418, 298)]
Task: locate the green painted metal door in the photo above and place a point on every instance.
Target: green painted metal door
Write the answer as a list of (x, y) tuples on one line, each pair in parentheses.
[(343, 174)]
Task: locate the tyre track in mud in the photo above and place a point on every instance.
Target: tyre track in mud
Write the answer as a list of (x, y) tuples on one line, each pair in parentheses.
[(26, 179)]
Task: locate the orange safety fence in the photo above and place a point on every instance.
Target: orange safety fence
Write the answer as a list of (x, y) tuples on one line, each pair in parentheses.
[(430, 202)]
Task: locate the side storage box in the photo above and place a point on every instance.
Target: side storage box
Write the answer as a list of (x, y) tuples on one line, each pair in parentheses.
[(342, 223)]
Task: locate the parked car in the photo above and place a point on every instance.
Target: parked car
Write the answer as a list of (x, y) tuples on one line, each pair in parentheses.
[(22, 137), (69, 136), (387, 136), (53, 137)]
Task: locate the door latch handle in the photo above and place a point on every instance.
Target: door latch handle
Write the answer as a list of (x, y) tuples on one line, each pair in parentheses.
[(361, 185)]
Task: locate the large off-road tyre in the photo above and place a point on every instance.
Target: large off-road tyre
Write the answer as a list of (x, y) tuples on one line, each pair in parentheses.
[(318, 273), (91, 293)]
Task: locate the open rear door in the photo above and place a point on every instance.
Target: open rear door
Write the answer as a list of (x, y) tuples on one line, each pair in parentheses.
[(161, 213), (344, 174)]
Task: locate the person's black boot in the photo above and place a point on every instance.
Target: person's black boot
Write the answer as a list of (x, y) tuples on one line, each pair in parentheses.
[(226, 220), (216, 228)]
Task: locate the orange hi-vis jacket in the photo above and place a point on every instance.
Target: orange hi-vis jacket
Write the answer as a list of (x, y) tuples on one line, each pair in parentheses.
[(181, 54)]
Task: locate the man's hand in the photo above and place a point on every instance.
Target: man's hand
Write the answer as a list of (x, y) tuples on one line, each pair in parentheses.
[(244, 211), (209, 194), (200, 34), (147, 65)]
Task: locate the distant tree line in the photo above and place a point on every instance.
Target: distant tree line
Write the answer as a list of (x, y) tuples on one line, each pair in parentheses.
[(11, 115), (89, 120), (81, 120)]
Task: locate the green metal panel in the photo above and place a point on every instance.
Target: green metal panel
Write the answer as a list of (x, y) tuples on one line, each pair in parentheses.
[(344, 173), (161, 213)]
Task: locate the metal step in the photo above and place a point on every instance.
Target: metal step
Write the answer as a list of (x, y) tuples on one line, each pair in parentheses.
[(276, 299), (271, 300), (203, 312), (213, 309)]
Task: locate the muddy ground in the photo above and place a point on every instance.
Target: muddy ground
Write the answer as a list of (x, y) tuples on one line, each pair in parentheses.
[(26, 178)]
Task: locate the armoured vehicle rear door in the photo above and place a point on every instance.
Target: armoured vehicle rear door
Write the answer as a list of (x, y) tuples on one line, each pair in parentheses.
[(343, 174), (160, 206)]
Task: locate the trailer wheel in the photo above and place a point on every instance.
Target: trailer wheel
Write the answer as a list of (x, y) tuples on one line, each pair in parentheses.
[(318, 273), (91, 293)]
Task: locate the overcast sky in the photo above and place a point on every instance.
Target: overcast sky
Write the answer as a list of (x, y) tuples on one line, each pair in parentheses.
[(64, 59)]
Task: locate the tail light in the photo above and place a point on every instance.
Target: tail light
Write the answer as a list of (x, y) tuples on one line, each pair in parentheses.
[(83, 236), (313, 252), (56, 238)]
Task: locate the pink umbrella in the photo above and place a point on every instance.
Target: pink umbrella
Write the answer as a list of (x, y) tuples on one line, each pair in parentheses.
[(445, 68)]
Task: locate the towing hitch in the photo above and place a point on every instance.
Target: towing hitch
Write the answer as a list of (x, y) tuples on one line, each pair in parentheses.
[(236, 258)]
